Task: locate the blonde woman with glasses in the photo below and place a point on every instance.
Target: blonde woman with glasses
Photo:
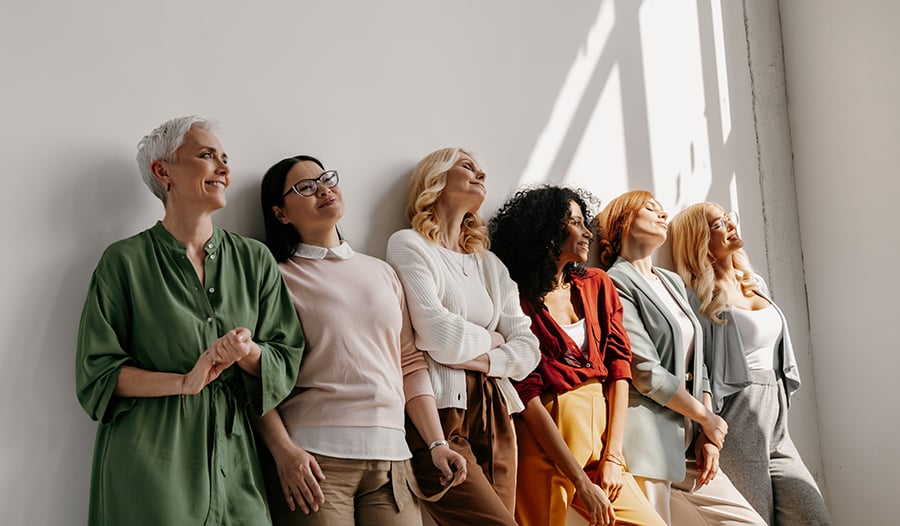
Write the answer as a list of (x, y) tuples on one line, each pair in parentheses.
[(751, 363)]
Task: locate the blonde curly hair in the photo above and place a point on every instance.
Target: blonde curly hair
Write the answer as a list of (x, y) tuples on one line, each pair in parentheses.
[(425, 186), (689, 236)]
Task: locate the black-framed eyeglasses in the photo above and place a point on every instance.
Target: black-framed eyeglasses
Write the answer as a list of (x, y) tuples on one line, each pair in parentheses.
[(308, 187), (722, 222)]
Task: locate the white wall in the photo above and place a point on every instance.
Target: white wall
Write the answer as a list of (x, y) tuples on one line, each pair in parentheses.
[(842, 86), (607, 94)]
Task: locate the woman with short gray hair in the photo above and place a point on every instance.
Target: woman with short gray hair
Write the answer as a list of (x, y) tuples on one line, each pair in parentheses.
[(186, 329)]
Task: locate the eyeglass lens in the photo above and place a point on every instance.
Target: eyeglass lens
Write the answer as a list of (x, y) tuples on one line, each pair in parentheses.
[(308, 187)]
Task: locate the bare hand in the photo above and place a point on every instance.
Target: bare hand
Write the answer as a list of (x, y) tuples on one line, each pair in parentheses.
[(611, 479), (715, 428), (707, 459), (497, 339), (205, 370), (300, 474), (596, 503), (448, 462), (233, 346)]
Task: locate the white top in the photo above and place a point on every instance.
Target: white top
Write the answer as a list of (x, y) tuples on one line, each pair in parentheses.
[(439, 314), (360, 366), (687, 328), (466, 271), (760, 331), (577, 332), (687, 334)]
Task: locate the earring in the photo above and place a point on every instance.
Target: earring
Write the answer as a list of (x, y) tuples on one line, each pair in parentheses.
[(169, 187)]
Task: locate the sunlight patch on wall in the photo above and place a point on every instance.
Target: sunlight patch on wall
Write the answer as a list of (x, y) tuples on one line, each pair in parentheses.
[(599, 163), (721, 69), (677, 127), (733, 197), (569, 99)]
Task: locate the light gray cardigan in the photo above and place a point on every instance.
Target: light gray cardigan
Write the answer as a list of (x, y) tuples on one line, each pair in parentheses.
[(655, 435), (724, 353), (437, 310)]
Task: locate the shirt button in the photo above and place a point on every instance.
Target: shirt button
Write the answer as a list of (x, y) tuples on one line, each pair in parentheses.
[(209, 245), (588, 365), (212, 256), (211, 290), (208, 320)]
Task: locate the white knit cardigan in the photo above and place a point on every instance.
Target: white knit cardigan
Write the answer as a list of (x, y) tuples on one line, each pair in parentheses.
[(438, 314)]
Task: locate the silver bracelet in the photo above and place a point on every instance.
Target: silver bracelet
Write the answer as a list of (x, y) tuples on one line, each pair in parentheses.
[(436, 443)]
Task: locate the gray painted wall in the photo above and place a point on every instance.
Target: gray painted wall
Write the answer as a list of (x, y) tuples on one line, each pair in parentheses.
[(842, 85), (606, 94)]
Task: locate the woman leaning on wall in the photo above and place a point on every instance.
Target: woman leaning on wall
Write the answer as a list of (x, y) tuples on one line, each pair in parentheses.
[(751, 364), (465, 312), (672, 436), (186, 330), (570, 433), (338, 441)]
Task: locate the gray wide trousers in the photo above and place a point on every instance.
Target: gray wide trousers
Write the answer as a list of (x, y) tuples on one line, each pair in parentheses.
[(761, 459)]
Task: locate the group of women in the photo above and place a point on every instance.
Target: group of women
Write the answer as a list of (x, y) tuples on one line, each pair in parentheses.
[(503, 386)]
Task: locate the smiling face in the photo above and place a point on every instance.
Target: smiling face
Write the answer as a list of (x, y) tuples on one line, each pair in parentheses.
[(465, 185), (724, 239), (199, 175), (578, 243), (650, 224), (311, 214)]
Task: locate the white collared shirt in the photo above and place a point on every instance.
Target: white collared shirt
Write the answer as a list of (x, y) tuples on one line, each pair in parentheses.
[(342, 251)]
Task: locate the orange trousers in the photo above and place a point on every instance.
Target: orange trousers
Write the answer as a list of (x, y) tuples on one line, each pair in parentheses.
[(543, 493)]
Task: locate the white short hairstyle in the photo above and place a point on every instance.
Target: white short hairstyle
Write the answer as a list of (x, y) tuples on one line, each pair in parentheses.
[(161, 144)]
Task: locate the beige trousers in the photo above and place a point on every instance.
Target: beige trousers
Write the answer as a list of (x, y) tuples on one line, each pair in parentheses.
[(687, 503)]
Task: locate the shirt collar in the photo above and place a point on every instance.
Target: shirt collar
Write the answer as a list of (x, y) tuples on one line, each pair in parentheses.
[(159, 232), (342, 251)]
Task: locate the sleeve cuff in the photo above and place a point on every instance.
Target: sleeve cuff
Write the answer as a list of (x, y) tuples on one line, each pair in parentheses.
[(619, 370)]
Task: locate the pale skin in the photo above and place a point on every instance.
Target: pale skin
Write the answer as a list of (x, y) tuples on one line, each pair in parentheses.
[(196, 183), (648, 232), (464, 192), (315, 219), (566, 308), (724, 241)]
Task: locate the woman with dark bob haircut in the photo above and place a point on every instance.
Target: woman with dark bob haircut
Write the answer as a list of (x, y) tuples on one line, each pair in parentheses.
[(339, 440), (541, 235)]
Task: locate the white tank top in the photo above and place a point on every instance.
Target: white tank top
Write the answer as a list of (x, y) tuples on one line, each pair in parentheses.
[(577, 332), (759, 330)]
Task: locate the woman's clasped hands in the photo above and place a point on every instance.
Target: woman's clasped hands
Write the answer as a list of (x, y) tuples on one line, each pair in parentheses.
[(229, 349)]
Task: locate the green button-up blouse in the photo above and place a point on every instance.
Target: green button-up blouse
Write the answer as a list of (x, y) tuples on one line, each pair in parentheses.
[(163, 460)]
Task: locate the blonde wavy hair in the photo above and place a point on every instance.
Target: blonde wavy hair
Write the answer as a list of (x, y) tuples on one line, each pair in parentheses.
[(613, 224), (689, 237), (425, 186)]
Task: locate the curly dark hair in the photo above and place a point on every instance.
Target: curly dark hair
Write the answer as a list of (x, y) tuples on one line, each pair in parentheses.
[(528, 233)]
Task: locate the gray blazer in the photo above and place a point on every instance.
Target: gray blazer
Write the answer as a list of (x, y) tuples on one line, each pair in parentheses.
[(724, 353), (655, 435)]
